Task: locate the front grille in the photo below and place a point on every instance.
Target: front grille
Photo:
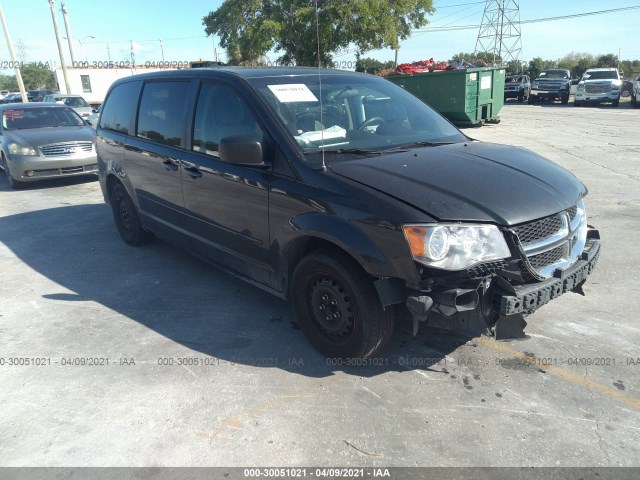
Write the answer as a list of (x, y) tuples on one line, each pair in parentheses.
[(596, 88), (547, 258), (552, 242), (538, 230), (69, 149)]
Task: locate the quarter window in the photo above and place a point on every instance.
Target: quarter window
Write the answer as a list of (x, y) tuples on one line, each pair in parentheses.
[(221, 113), (162, 113), (120, 107)]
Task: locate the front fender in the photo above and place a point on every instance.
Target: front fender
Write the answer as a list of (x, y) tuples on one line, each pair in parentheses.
[(349, 237)]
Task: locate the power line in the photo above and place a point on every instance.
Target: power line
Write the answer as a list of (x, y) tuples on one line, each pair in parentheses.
[(534, 20)]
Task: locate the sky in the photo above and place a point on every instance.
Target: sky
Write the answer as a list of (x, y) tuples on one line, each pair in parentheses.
[(172, 31)]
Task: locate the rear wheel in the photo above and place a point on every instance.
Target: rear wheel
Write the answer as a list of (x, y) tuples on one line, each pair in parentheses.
[(337, 306), (126, 218), (616, 102), (520, 97), (531, 99), (576, 104)]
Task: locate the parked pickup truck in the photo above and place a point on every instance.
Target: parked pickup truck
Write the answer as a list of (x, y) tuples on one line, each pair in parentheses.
[(554, 84), (599, 85), (344, 194)]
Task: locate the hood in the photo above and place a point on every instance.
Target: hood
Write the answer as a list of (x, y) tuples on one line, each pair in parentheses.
[(473, 182), (37, 137)]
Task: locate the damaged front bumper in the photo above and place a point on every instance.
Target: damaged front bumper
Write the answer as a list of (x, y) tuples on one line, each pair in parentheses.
[(477, 311), (528, 298)]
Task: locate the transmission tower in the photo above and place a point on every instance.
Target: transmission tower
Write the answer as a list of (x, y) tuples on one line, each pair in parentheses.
[(499, 34)]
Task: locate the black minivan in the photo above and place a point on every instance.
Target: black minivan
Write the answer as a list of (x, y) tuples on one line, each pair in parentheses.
[(344, 194)]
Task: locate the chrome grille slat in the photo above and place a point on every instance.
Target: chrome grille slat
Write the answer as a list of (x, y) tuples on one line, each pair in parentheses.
[(68, 149), (552, 242)]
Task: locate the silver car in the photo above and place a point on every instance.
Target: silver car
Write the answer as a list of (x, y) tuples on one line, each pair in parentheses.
[(41, 141), (76, 102)]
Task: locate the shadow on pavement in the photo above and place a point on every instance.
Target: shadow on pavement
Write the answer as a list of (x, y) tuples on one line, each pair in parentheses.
[(187, 300)]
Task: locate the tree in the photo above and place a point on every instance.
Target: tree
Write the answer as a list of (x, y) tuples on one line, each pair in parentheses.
[(478, 58), (371, 65), (607, 61), (8, 82), (577, 63), (538, 64), (515, 66), (248, 29), (35, 77)]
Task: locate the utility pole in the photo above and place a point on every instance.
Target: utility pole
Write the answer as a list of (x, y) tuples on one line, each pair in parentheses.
[(52, 5), (68, 30), (161, 49), (23, 92)]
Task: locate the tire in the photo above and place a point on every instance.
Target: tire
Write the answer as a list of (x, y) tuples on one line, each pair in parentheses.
[(520, 97), (625, 93), (328, 281), (616, 103), (13, 183), (576, 104), (530, 100), (564, 100), (126, 218), (634, 101)]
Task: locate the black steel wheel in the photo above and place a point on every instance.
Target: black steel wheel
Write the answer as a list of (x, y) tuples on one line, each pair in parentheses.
[(337, 307), (126, 218)]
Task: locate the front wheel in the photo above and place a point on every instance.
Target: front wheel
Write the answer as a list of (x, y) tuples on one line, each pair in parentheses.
[(13, 183), (337, 306), (126, 218), (564, 100), (531, 99), (616, 102)]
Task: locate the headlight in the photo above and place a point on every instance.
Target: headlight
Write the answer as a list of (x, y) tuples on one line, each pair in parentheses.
[(455, 246), (580, 87), (17, 149)]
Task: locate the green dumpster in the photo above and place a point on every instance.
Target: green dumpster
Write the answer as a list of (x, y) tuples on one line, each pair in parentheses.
[(467, 97)]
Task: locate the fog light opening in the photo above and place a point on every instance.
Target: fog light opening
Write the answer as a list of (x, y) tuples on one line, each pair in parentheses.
[(29, 173)]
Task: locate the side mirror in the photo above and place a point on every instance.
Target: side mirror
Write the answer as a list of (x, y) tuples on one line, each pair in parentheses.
[(241, 150)]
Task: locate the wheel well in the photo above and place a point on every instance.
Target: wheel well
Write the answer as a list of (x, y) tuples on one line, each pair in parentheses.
[(112, 181), (302, 247)]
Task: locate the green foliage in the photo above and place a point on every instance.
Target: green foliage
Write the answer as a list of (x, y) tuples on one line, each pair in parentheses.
[(248, 29), (538, 64), (479, 58), (373, 66), (515, 66), (8, 82), (577, 63), (34, 76), (607, 61)]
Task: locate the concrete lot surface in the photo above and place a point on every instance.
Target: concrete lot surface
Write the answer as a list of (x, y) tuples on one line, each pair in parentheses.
[(149, 357)]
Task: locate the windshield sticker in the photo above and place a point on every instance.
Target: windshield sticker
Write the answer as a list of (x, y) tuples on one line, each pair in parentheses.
[(293, 92), (13, 114)]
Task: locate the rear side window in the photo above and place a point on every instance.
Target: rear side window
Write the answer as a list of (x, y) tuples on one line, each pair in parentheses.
[(163, 113), (119, 110)]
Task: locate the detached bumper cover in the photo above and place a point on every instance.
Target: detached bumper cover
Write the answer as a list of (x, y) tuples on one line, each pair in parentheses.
[(528, 298)]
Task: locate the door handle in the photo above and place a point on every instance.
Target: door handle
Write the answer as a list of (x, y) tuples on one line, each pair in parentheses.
[(170, 165), (193, 172)]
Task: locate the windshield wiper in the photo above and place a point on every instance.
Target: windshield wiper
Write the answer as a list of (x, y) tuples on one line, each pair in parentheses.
[(424, 144), (356, 151)]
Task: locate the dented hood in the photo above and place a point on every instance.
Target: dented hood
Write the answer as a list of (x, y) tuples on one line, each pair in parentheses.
[(472, 182)]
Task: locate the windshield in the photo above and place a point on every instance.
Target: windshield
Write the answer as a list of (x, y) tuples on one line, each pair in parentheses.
[(601, 75), (553, 74), (28, 118), (73, 101), (517, 79), (359, 113)]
